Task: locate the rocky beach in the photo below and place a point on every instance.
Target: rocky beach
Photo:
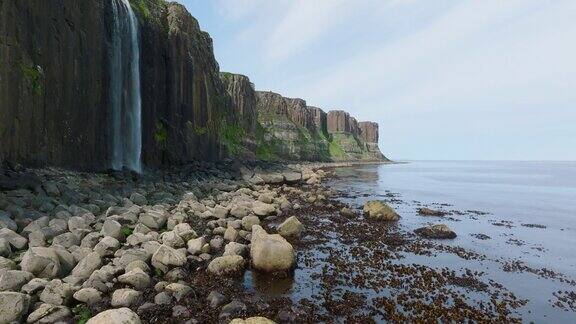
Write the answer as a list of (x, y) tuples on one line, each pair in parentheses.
[(139, 183)]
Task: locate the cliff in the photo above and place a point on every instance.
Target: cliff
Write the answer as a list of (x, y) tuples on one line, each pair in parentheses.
[(57, 77), (289, 129)]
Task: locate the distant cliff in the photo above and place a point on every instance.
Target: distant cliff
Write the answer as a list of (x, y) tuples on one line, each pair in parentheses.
[(56, 70), (287, 128)]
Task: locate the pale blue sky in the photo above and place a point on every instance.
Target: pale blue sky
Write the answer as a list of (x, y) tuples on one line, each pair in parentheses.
[(482, 79)]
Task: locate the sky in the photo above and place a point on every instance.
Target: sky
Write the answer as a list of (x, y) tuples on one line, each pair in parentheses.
[(456, 80)]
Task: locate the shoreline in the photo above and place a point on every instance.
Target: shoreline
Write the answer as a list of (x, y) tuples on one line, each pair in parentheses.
[(342, 258)]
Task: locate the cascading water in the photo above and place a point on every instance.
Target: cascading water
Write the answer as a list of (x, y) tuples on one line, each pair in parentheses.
[(125, 89)]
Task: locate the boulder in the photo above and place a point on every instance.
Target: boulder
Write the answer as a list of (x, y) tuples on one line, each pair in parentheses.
[(178, 290), (107, 246), (234, 248), (291, 227), (87, 265), (263, 209), (13, 280), (13, 238), (88, 296), (57, 292), (113, 229), (379, 210), (166, 257), (226, 265), (195, 245), (231, 234), (47, 313), (42, 262), (424, 211), (13, 306), (252, 320), (136, 278), (115, 316), (271, 253), (249, 221), (125, 298), (437, 231)]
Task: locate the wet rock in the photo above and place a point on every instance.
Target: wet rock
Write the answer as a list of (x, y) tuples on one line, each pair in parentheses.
[(291, 227), (166, 257), (215, 299), (57, 292), (13, 280), (47, 313), (347, 212), (125, 298), (135, 278), (88, 295), (181, 311), (379, 210), (270, 253), (437, 231), (13, 306), (232, 310), (430, 212), (227, 265), (115, 316)]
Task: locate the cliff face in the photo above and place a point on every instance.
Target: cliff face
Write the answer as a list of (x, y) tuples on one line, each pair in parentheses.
[(56, 72), (243, 98), (54, 84), (287, 128)]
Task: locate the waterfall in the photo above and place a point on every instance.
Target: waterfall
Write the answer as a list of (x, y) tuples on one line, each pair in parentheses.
[(125, 100)]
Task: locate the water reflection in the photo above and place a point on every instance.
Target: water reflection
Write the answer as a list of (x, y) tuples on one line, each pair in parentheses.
[(267, 284)]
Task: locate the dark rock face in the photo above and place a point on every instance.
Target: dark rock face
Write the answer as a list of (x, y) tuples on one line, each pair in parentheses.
[(243, 97), (54, 84), (55, 75)]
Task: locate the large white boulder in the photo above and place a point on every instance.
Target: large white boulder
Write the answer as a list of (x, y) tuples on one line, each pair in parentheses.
[(271, 253)]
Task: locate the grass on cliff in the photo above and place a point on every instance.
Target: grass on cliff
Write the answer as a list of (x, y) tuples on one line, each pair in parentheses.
[(161, 135), (33, 76), (232, 136)]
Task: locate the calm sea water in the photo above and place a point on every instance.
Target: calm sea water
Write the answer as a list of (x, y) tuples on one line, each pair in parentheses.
[(512, 193), (510, 197)]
